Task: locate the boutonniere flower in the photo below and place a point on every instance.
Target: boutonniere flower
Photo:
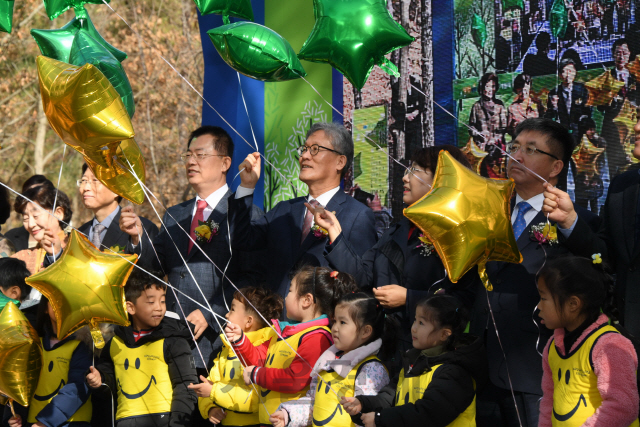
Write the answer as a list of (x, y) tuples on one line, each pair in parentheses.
[(117, 249), (544, 233), (319, 232), (426, 245), (206, 230)]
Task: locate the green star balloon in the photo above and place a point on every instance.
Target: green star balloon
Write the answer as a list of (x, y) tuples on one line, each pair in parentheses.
[(56, 8), (6, 15), (238, 8), (87, 50), (56, 44), (354, 36), (256, 51), (478, 30)]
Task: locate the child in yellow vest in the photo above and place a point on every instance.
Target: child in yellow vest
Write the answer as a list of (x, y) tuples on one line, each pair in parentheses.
[(148, 365), (61, 388), (224, 398), (350, 367), (440, 375), (589, 368), (281, 367)]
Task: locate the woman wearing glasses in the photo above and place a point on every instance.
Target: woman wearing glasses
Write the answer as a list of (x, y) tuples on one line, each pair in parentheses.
[(402, 268)]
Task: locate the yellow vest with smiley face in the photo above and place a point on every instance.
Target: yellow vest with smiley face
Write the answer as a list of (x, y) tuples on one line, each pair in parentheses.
[(575, 385), (142, 378), (55, 373)]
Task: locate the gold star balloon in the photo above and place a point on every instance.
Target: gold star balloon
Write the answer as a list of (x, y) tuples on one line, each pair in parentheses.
[(20, 356), (627, 118), (474, 154), (467, 218), (89, 115), (585, 155), (85, 287), (634, 67), (603, 88)]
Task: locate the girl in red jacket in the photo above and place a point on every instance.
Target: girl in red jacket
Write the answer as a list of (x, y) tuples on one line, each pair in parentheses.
[(281, 367), (589, 368)]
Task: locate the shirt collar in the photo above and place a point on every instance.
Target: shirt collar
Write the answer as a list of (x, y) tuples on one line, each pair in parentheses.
[(536, 202), (214, 198), (108, 220), (325, 198)]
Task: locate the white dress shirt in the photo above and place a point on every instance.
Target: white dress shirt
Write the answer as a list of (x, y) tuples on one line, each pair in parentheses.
[(212, 201), (536, 203), (323, 199)]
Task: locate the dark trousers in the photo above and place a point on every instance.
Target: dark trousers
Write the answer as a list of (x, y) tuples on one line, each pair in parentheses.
[(495, 408), (155, 420), (196, 419)]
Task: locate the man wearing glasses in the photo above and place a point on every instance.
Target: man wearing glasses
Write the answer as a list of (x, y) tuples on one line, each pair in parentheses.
[(206, 162), (287, 230), (539, 153), (104, 229)]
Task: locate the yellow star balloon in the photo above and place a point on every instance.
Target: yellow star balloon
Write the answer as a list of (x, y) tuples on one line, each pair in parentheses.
[(474, 154), (603, 88), (85, 287), (87, 112), (634, 67), (585, 156), (20, 356), (627, 117), (467, 218)]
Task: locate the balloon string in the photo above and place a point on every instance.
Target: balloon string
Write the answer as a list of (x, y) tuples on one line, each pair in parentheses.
[(506, 364), (204, 363), (266, 321), (533, 315), (199, 94), (55, 199), (255, 141)]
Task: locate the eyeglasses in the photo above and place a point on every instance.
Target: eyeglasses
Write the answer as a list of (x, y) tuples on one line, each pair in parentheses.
[(314, 149), (198, 156), (91, 182), (529, 150), (412, 170)]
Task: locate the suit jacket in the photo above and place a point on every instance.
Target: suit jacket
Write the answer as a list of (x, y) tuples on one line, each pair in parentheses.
[(513, 301), (398, 260), (579, 108), (209, 288), (280, 233), (615, 241), (116, 237)]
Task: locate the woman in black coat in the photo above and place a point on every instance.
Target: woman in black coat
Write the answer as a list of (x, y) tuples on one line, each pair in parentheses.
[(401, 268)]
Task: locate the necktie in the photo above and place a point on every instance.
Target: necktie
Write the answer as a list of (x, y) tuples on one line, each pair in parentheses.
[(520, 224), (308, 218), (95, 238), (199, 216)]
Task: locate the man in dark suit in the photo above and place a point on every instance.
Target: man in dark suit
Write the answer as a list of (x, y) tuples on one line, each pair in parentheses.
[(104, 229), (207, 161), (540, 64), (617, 240), (286, 230), (544, 147), (616, 155), (567, 103)]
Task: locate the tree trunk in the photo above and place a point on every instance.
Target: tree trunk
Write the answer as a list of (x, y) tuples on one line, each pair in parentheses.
[(426, 38), (41, 135)]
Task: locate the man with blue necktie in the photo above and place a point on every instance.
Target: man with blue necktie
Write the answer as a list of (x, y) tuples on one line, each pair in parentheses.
[(542, 147)]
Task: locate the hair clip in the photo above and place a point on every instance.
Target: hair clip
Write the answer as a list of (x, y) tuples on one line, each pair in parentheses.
[(334, 274), (456, 309), (597, 259)]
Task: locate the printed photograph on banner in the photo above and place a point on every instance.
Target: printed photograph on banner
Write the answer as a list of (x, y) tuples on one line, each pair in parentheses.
[(585, 79)]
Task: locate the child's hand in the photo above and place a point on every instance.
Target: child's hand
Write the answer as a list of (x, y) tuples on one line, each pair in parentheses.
[(216, 415), (93, 378), (247, 374), (351, 405), (233, 332), (15, 421), (369, 419), (203, 389), (278, 418)]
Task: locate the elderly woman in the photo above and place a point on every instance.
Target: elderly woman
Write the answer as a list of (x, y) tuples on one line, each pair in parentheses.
[(524, 106), (402, 268)]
